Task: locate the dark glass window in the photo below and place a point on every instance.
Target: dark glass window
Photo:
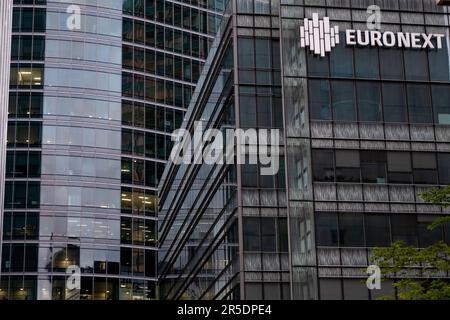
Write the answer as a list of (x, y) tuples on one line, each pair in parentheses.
[(441, 103), (416, 64), (419, 101), (425, 168), (438, 59), (366, 63), (373, 166), (341, 60), (399, 167), (150, 263), (378, 233), (246, 53), (318, 66), (343, 97), (252, 234), (127, 113), (263, 53), (319, 100), (125, 261), (248, 111), (444, 168), (391, 64), (347, 166), (249, 175), (283, 237), (126, 171), (394, 102), (404, 228), (351, 233), (323, 165), (369, 101), (428, 237), (268, 235), (326, 229)]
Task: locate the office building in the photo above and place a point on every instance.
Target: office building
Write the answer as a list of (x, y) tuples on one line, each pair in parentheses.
[(96, 88), (364, 114)]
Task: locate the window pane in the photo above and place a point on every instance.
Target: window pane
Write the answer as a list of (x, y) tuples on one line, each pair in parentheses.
[(366, 63), (391, 64), (394, 102), (419, 102), (319, 100), (347, 166), (444, 168), (424, 165), (378, 233), (441, 104), (326, 229), (341, 60), (416, 62), (268, 235), (369, 101), (428, 237), (373, 166), (399, 167), (323, 165), (351, 232), (246, 55), (343, 97), (251, 234), (404, 228)]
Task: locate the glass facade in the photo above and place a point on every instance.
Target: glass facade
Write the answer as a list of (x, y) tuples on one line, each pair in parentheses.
[(91, 109), (364, 131)]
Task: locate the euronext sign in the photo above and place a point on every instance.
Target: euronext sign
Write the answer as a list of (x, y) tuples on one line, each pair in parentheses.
[(390, 39), (321, 38)]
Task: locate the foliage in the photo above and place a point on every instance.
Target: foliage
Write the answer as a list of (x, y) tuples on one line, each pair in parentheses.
[(417, 273)]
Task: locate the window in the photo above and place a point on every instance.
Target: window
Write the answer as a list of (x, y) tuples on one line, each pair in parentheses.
[(351, 233), (125, 261), (428, 237), (263, 53), (319, 100), (416, 64), (248, 111), (373, 166), (366, 63), (347, 166), (369, 101), (399, 167), (323, 165), (444, 168), (330, 289), (419, 102), (249, 175), (377, 230), (424, 166), (394, 102), (341, 60), (441, 104), (283, 241), (326, 229), (343, 97), (268, 235), (246, 53), (126, 169), (404, 228), (318, 66), (252, 234)]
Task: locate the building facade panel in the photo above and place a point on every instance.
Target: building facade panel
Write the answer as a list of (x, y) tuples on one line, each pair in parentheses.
[(363, 110)]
